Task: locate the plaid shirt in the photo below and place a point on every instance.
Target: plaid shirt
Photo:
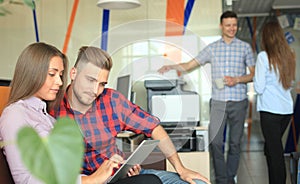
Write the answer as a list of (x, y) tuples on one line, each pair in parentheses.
[(228, 60), (110, 113)]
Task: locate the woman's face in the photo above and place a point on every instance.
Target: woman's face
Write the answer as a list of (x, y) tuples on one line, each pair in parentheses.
[(53, 81)]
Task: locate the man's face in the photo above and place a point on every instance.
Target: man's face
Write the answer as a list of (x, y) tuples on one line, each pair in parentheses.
[(229, 27), (88, 84)]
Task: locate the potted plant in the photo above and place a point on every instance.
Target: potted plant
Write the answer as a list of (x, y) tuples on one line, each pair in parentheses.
[(56, 158)]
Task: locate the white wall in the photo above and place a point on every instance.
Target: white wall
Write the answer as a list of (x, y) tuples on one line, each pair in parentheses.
[(17, 31), (17, 28), (124, 41)]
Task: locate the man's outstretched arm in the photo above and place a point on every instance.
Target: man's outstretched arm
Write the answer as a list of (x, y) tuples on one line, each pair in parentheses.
[(182, 67)]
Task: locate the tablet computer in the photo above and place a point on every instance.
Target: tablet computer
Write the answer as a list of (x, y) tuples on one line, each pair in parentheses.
[(137, 157)]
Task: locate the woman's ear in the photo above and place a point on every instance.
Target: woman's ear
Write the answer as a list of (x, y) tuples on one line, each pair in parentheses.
[(73, 73)]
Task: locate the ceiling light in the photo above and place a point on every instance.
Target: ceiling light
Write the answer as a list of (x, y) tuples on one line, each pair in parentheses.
[(118, 4)]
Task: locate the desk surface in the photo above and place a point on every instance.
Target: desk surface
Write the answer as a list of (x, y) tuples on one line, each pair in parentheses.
[(126, 134)]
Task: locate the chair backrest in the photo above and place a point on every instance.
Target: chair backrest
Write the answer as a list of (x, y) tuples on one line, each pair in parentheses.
[(294, 167), (298, 178), (4, 94), (5, 175)]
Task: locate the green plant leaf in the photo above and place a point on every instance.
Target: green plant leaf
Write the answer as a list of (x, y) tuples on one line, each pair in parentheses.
[(56, 158), (29, 3), (35, 155), (1, 1), (67, 149), (4, 10)]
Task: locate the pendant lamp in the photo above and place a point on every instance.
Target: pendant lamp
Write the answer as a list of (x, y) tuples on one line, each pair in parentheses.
[(118, 4)]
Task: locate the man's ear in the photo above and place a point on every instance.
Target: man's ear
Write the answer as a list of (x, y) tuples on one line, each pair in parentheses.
[(73, 73)]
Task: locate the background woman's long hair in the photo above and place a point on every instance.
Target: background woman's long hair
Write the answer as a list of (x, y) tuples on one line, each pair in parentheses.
[(31, 72), (281, 57)]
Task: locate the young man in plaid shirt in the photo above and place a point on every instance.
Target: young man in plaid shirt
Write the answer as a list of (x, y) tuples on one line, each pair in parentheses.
[(102, 113)]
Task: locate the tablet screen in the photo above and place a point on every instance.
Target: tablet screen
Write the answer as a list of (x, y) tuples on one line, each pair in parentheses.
[(137, 157)]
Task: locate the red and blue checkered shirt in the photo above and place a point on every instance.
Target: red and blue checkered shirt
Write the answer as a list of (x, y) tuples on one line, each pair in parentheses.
[(110, 114)]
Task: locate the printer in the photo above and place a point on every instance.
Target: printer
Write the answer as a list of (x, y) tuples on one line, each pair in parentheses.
[(177, 109)]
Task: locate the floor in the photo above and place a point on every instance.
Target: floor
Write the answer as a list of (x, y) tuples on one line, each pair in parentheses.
[(253, 168)]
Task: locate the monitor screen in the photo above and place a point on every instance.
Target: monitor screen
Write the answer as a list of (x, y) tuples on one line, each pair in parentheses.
[(124, 85)]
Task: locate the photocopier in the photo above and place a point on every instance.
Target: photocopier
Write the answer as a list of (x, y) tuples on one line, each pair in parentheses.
[(177, 109)]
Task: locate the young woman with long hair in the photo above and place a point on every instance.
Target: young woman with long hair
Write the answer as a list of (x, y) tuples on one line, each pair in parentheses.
[(273, 80)]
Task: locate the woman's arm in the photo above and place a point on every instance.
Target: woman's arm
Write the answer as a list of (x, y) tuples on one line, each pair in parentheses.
[(12, 119), (260, 73)]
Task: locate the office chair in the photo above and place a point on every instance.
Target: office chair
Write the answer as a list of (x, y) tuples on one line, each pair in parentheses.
[(5, 175), (294, 166), (4, 94)]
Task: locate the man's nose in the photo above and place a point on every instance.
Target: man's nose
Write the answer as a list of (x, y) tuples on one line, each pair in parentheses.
[(96, 86)]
